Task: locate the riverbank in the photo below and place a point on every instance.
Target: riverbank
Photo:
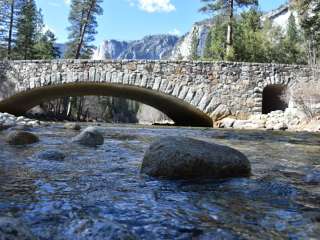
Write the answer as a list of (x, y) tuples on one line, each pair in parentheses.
[(289, 120), (277, 120)]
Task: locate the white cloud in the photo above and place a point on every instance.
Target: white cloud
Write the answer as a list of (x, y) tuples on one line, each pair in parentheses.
[(152, 6), (176, 32), (67, 2)]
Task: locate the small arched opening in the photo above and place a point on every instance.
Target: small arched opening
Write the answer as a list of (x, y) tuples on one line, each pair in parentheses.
[(273, 98)]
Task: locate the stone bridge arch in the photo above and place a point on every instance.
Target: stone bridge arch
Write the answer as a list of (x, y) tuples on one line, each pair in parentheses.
[(181, 112), (190, 92)]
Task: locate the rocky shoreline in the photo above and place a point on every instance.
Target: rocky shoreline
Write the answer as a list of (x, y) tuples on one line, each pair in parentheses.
[(277, 120), (289, 120), (10, 121)]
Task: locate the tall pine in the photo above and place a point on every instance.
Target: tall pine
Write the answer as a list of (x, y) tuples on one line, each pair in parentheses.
[(309, 14), (82, 29), (27, 30), (9, 14)]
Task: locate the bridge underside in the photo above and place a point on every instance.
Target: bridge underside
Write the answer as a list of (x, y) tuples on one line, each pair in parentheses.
[(180, 112)]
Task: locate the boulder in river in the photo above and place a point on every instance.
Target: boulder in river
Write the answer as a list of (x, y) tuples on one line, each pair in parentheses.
[(52, 155), (72, 126), (21, 138), (313, 177), (182, 157), (12, 229), (91, 137)]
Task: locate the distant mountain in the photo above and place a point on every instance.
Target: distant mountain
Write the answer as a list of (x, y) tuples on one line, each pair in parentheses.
[(150, 47), (165, 46), (62, 49), (192, 43), (280, 16)]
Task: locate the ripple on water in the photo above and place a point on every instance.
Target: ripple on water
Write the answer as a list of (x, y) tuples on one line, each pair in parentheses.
[(96, 193)]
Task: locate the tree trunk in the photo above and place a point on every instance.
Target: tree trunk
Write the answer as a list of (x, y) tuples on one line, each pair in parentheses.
[(10, 29), (230, 27), (83, 30)]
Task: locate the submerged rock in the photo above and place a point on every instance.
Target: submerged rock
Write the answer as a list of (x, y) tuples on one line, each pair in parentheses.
[(51, 155), (21, 138), (72, 126), (100, 229), (12, 229), (181, 157), (91, 136), (313, 177)]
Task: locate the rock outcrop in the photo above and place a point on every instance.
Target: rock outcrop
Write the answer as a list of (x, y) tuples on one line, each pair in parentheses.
[(192, 43)]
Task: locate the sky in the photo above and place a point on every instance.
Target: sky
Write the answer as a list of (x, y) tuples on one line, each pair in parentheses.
[(134, 19)]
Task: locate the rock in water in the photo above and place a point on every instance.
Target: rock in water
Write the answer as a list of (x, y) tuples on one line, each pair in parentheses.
[(181, 157), (313, 177), (91, 137), (12, 229), (51, 155), (21, 138), (72, 126)]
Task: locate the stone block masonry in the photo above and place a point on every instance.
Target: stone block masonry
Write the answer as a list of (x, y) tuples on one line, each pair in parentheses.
[(214, 88)]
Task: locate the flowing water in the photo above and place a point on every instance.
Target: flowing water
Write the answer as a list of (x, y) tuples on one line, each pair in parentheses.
[(96, 192)]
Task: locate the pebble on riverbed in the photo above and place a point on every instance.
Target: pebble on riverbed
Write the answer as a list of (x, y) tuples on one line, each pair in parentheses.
[(12, 229), (91, 137), (181, 157), (21, 138)]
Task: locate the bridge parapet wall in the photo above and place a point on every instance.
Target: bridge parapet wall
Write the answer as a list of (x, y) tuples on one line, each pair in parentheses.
[(215, 88)]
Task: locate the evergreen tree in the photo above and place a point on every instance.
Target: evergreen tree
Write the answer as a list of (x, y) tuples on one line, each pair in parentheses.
[(27, 30), (45, 48), (83, 22), (293, 51), (216, 40), (250, 44), (9, 12), (309, 14), (227, 7)]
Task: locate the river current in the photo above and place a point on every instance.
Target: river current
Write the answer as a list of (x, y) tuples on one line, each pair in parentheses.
[(95, 193)]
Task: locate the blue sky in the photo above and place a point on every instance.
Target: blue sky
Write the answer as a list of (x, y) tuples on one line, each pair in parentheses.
[(133, 19)]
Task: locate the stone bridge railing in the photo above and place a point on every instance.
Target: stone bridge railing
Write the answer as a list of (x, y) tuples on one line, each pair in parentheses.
[(215, 88)]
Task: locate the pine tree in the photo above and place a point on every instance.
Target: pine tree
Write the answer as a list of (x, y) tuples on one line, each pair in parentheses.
[(227, 7), (309, 14), (83, 22), (10, 10), (216, 40), (45, 47), (292, 44), (27, 30)]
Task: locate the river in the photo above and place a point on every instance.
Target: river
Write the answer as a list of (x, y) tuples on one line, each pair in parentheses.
[(96, 192)]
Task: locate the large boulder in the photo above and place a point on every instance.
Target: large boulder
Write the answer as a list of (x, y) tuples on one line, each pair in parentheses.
[(21, 138), (182, 157), (91, 137), (12, 229)]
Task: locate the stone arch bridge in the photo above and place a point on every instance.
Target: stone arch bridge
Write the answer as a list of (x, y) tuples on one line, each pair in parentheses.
[(192, 93)]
